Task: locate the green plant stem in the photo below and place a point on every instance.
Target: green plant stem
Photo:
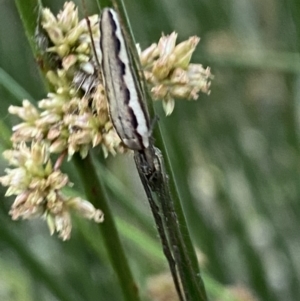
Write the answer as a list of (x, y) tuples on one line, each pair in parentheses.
[(126, 198), (104, 3), (180, 237), (96, 194), (29, 11), (29, 14)]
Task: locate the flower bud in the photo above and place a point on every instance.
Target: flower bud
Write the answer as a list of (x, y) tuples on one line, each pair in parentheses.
[(69, 61), (163, 66), (48, 19), (168, 105), (149, 54), (68, 17), (166, 44), (184, 51), (56, 35)]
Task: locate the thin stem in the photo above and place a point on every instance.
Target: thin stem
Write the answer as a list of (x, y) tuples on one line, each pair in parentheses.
[(167, 249), (96, 194), (182, 224), (29, 13), (194, 287)]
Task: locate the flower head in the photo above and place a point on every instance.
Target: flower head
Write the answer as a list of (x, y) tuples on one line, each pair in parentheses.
[(169, 73), (38, 189), (74, 116)]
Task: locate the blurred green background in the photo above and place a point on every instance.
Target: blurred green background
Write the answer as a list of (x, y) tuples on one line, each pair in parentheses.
[(235, 156)]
